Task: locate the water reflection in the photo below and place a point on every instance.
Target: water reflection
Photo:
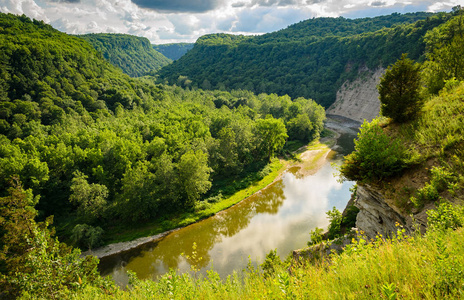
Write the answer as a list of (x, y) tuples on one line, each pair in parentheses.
[(280, 217)]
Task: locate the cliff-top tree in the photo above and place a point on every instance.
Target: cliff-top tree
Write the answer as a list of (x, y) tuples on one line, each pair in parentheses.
[(399, 90)]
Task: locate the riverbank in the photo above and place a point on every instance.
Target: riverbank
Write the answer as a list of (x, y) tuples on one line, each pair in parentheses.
[(309, 159)]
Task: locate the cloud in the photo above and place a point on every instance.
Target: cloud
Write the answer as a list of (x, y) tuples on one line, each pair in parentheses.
[(239, 4), (66, 1), (267, 19), (378, 3), (27, 7), (167, 21), (274, 2), (193, 6)]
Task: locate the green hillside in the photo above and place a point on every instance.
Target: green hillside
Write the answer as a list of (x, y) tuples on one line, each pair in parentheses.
[(95, 146), (310, 59), (134, 55), (173, 51)]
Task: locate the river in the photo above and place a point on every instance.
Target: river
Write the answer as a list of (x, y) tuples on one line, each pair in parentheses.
[(278, 217)]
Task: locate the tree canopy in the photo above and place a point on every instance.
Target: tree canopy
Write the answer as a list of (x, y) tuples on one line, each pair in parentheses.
[(311, 59), (134, 55)]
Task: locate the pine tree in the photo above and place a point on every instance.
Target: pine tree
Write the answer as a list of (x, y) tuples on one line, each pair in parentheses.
[(399, 91)]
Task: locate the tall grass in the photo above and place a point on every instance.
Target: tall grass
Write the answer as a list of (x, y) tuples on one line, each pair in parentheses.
[(429, 267)]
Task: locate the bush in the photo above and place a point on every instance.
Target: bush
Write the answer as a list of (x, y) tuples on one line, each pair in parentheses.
[(335, 218), (316, 236), (441, 180), (376, 155), (445, 216)]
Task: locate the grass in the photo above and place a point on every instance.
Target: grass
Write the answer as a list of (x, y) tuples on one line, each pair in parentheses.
[(417, 267)]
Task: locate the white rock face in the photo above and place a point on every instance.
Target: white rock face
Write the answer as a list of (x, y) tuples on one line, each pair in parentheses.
[(359, 100)]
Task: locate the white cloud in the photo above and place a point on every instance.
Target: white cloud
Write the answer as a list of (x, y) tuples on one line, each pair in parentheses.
[(187, 23), (27, 7)]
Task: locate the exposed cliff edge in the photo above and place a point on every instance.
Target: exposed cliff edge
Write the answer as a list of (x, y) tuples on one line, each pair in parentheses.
[(379, 215), (359, 99)]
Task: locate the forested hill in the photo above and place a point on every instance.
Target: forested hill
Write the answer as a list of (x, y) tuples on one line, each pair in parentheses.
[(94, 146), (134, 55), (309, 59), (173, 51)]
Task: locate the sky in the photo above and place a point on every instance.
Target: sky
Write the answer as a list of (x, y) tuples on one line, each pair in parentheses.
[(173, 21)]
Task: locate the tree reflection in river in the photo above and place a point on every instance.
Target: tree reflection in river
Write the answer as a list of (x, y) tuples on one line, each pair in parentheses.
[(280, 216)]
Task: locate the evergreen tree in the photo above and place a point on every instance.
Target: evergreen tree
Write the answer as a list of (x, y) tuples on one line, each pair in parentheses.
[(399, 90)]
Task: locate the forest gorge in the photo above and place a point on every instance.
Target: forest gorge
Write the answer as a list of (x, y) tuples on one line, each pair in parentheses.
[(91, 150)]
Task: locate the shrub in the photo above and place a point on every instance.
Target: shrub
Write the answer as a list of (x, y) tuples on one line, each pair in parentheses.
[(316, 236), (376, 155), (445, 216), (335, 218)]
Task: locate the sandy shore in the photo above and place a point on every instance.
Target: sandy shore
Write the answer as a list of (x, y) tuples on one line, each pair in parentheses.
[(310, 161)]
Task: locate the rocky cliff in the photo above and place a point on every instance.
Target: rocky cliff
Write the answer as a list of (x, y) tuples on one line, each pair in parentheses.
[(379, 215), (359, 99)]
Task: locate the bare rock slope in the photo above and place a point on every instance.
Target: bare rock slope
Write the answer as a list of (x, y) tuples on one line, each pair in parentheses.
[(359, 99)]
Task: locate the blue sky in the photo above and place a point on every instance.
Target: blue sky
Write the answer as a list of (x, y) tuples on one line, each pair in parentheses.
[(167, 21)]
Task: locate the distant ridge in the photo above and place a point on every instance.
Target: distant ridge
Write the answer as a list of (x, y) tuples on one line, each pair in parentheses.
[(173, 51), (134, 55), (310, 59)]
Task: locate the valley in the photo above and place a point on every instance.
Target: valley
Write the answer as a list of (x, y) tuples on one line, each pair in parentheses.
[(196, 176)]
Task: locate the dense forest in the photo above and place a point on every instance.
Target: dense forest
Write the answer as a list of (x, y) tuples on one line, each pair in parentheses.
[(96, 146), (134, 55), (173, 51), (311, 59)]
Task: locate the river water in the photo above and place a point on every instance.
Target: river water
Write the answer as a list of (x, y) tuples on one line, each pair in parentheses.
[(279, 217)]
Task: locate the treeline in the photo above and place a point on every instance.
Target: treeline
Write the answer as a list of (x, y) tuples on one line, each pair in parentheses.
[(173, 51), (96, 146), (134, 55), (309, 59)]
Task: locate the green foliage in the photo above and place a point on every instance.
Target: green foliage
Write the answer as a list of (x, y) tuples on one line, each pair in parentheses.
[(399, 91), (335, 219), (376, 155), (86, 236), (311, 59), (134, 55), (194, 176), (389, 291), (90, 198), (98, 147), (271, 135), (349, 220), (271, 264), (442, 180), (445, 216), (316, 236), (444, 45), (32, 263)]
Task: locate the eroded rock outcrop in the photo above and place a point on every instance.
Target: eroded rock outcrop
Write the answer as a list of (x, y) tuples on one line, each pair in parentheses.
[(359, 99), (378, 214)]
